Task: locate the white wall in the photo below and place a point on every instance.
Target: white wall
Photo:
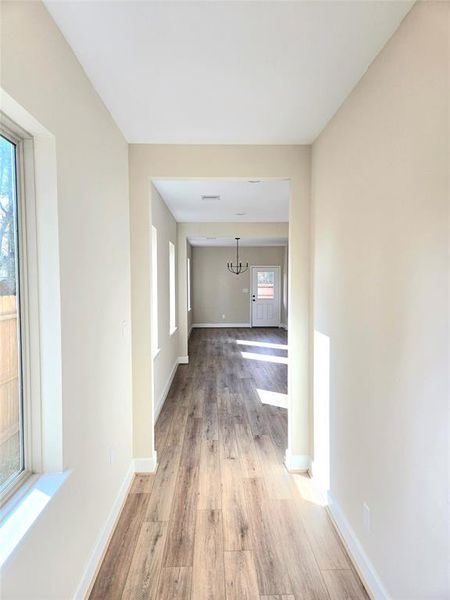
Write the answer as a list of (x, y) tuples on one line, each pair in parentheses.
[(40, 72), (218, 292), (166, 361), (380, 192)]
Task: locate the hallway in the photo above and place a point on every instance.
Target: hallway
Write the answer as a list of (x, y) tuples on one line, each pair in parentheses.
[(222, 518)]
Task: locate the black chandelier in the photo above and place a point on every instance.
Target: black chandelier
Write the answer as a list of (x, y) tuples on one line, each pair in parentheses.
[(238, 268)]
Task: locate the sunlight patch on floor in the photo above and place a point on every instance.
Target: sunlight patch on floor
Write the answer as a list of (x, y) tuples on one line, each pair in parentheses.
[(265, 357), (273, 398), (269, 345), (309, 490)]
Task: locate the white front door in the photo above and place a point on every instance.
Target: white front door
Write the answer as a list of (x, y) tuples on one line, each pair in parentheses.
[(265, 298)]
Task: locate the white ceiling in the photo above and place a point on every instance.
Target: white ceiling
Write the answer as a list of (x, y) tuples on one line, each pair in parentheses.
[(224, 71), (267, 200)]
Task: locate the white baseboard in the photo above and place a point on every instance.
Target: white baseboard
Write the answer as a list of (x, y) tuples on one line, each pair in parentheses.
[(183, 360), (215, 325), (297, 462), (365, 568), (97, 554), (145, 465), (160, 402)]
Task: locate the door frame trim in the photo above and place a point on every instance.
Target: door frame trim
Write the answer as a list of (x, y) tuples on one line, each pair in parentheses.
[(279, 291)]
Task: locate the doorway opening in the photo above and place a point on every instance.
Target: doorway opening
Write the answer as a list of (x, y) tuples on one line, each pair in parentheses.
[(209, 215)]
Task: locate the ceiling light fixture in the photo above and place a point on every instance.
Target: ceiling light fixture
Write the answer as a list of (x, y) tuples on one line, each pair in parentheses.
[(240, 214), (210, 198), (255, 181), (238, 268)]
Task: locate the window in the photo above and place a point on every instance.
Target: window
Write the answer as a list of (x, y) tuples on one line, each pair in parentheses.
[(172, 319), (188, 275), (266, 285), (155, 347), (12, 417)]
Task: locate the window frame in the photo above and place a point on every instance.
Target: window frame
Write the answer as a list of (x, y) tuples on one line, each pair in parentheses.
[(24, 168), (188, 285), (155, 330), (172, 289)]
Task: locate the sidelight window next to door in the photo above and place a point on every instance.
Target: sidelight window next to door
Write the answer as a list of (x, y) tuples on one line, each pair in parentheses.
[(265, 305)]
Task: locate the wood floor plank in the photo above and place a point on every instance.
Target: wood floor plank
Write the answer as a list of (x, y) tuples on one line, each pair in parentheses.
[(180, 536), (210, 485), (175, 435), (175, 583), (278, 481), (324, 541), (210, 420), (297, 555), (342, 584), (208, 580), (234, 512), (160, 503), (143, 576), (278, 597), (254, 408), (248, 456), (142, 483), (240, 576), (265, 541), (116, 564), (162, 426)]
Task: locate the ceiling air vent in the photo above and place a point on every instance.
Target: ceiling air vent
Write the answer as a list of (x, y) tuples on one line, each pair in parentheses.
[(210, 198)]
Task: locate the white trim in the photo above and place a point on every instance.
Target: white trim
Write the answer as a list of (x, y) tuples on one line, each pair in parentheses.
[(159, 404), (215, 325), (154, 293), (145, 465), (172, 331), (297, 462), (183, 360), (359, 558), (101, 545), (283, 326)]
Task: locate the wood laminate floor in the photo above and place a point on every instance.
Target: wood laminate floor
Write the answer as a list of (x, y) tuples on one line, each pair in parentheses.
[(222, 519)]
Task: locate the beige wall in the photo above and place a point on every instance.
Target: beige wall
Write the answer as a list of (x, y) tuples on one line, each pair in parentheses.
[(40, 72), (218, 292), (155, 161), (380, 189), (167, 358)]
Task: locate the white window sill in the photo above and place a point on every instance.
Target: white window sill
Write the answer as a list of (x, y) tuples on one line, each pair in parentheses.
[(172, 331), (21, 511), (156, 354)]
